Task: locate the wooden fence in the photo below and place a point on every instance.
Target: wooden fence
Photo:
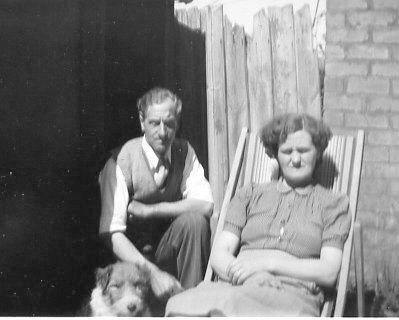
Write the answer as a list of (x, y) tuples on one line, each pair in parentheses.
[(247, 78)]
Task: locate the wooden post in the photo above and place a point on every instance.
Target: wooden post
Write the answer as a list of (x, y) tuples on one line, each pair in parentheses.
[(260, 73), (236, 84), (358, 247), (216, 97), (284, 60), (309, 100)]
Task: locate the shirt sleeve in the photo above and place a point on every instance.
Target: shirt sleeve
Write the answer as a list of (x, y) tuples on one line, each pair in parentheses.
[(337, 221), (194, 184), (236, 216), (114, 199)]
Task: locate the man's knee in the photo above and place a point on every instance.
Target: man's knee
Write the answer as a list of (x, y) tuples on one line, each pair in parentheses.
[(192, 223)]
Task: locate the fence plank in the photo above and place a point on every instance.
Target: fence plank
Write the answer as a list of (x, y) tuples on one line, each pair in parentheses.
[(194, 110), (236, 84), (169, 44), (216, 91), (249, 79), (260, 76), (307, 65), (284, 60)]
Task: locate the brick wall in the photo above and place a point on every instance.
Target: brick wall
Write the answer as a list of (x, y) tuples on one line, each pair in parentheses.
[(362, 91)]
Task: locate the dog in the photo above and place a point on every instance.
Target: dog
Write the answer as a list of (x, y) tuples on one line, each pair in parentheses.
[(122, 289)]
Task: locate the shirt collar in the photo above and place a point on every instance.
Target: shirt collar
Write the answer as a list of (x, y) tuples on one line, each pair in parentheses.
[(151, 156), (283, 187)]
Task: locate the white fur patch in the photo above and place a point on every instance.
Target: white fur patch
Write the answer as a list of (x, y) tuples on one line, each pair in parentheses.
[(98, 306)]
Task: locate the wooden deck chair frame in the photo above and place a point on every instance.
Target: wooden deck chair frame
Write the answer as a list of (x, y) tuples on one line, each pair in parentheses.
[(340, 171)]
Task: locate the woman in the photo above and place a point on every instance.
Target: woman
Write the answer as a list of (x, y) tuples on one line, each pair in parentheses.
[(282, 242)]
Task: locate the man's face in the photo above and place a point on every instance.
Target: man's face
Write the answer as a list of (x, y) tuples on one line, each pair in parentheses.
[(160, 125)]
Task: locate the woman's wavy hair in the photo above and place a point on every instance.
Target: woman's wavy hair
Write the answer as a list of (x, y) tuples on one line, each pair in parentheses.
[(274, 133)]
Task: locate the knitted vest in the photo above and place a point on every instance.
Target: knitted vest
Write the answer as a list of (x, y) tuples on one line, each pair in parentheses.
[(141, 186)]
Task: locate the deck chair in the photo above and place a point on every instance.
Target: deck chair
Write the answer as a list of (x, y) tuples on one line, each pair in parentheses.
[(340, 171)]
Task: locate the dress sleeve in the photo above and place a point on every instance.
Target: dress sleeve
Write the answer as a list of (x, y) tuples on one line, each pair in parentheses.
[(114, 199), (337, 220), (194, 184), (236, 216)]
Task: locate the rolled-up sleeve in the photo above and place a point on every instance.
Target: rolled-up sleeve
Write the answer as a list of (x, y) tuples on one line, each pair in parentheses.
[(194, 184), (114, 199)]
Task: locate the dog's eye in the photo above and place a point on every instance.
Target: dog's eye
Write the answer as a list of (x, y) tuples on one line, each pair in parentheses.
[(141, 288)]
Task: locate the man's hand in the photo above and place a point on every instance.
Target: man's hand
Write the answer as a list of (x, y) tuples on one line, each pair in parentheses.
[(139, 210), (164, 285)]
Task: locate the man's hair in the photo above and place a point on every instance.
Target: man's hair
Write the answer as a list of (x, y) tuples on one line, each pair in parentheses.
[(276, 131), (158, 95)]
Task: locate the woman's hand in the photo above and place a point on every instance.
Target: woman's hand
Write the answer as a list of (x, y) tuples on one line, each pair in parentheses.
[(263, 279), (240, 269)]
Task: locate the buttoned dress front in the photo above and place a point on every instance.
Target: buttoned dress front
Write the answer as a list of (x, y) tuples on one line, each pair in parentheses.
[(277, 217)]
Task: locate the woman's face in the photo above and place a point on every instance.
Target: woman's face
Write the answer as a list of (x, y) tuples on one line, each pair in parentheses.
[(297, 158)]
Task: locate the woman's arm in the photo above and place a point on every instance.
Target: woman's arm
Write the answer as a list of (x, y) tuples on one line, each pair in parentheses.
[(323, 271), (223, 253)]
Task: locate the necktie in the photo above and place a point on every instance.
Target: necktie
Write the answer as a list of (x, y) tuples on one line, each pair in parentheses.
[(162, 173)]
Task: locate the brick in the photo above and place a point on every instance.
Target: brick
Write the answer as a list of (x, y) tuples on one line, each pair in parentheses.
[(386, 4), (357, 120), (386, 36), (376, 154), (383, 104), (394, 187), (346, 4), (371, 18), (342, 68), (335, 19), (374, 203), (385, 69), (334, 52), (333, 84), (395, 52), (395, 87), (374, 186), (333, 118), (368, 85), (394, 154), (383, 138), (368, 219), (340, 102), (395, 121), (347, 36), (381, 170), (370, 52)]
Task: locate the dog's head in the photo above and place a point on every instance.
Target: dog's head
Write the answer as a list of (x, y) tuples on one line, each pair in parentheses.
[(124, 288)]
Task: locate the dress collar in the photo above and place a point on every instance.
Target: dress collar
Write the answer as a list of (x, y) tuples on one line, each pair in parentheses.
[(283, 187), (151, 156)]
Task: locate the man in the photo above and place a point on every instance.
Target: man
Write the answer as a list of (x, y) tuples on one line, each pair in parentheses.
[(155, 200)]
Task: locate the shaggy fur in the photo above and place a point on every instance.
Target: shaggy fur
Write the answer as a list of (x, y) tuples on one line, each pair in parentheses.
[(122, 289)]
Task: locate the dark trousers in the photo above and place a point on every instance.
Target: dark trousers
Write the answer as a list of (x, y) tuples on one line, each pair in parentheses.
[(179, 246), (184, 249)]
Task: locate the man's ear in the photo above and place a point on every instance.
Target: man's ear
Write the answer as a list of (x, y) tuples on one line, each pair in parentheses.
[(141, 117)]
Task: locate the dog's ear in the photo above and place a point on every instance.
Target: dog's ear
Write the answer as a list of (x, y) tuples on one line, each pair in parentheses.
[(103, 275)]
